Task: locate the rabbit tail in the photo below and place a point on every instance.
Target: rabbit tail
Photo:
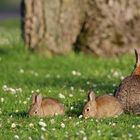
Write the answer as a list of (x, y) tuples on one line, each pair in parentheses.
[(136, 70)]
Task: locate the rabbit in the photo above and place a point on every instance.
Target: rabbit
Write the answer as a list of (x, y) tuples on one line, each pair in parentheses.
[(128, 92), (45, 107), (102, 106)]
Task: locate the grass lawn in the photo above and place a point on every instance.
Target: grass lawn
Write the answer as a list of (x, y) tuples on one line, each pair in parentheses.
[(65, 78)]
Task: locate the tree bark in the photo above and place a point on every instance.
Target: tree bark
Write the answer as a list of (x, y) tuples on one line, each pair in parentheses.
[(102, 27), (51, 26), (112, 27)]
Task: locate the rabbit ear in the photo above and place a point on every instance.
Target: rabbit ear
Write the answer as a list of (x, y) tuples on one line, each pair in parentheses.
[(38, 99), (34, 98), (137, 54), (91, 96)]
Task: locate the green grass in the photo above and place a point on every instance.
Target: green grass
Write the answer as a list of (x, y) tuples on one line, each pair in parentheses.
[(52, 76)]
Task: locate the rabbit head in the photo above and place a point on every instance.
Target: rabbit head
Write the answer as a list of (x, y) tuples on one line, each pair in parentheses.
[(90, 107), (36, 109)]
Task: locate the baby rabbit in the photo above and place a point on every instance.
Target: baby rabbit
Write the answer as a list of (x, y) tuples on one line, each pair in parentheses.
[(45, 107), (102, 106), (128, 91)]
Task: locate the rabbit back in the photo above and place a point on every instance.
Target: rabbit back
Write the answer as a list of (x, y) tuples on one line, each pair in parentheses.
[(128, 94), (52, 107), (108, 106)]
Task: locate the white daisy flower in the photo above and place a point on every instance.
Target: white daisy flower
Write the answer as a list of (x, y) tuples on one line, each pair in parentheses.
[(2, 99), (70, 95), (16, 137), (61, 96), (62, 125), (31, 125), (41, 123), (4, 87), (80, 116), (73, 72), (71, 88), (130, 135), (133, 126), (29, 138), (71, 108), (21, 70), (84, 138), (24, 102), (52, 121), (43, 129), (16, 110), (13, 125)]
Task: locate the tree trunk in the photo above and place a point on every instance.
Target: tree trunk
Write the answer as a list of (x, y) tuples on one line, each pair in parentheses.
[(112, 27), (51, 26), (102, 27)]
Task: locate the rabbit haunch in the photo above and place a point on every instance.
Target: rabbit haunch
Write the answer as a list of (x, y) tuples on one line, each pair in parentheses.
[(128, 92), (45, 106), (102, 106)]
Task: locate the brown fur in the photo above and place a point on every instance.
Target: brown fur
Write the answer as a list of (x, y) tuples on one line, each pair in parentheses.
[(45, 106), (102, 107), (49, 101), (136, 70), (108, 106), (52, 107), (128, 92)]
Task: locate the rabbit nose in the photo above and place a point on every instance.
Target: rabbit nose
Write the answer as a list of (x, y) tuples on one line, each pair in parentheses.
[(84, 115)]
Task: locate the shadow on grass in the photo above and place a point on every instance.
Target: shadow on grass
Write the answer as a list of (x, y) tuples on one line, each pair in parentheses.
[(101, 83), (77, 109), (22, 114), (3, 51)]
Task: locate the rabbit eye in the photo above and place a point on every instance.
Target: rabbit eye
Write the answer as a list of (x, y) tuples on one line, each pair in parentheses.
[(35, 112), (87, 109)]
